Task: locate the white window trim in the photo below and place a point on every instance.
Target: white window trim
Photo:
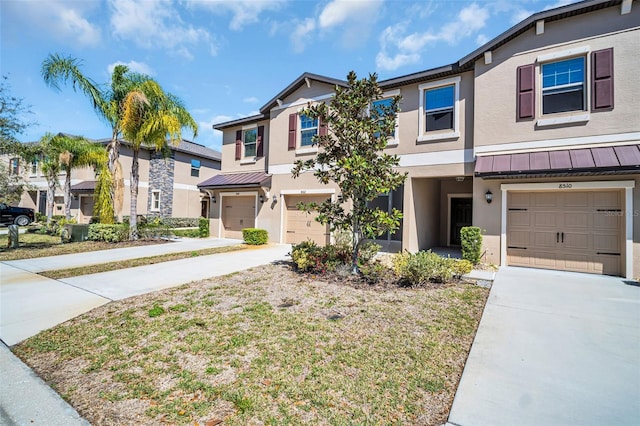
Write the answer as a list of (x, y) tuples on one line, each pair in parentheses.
[(395, 141), (305, 149), (151, 207), (626, 185), (424, 136), (249, 160), (31, 172)]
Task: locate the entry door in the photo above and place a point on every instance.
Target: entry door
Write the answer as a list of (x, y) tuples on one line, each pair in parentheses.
[(86, 208), (204, 208), (42, 205), (461, 216)]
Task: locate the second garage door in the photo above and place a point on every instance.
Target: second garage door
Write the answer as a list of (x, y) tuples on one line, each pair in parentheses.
[(302, 226), (238, 212), (577, 231)]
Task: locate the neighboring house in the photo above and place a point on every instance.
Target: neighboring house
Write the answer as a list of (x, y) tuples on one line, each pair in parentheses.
[(167, 188), (534, 137)]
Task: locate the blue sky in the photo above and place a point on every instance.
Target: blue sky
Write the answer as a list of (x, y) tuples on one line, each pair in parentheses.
[(226, 59)]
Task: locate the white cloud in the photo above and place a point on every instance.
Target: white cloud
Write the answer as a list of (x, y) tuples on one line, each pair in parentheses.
[(339, 11), (244, 12), (250, 100), (301, 34), (157, 25), (61, 20), (139, 67), (520, 15), (406, 49)]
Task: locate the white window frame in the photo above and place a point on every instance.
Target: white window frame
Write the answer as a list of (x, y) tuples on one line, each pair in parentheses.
[(317, 128), (14, 166), (423, 135), (155, 199), (395, 139), (33, 169), (566, 117), (246, 129)]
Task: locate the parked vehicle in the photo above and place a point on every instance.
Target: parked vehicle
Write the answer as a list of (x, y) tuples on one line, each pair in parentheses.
[(21, 216)]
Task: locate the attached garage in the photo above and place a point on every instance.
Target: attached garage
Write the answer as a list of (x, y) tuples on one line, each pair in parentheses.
[(579, 231), (238, 212), (300, 225)]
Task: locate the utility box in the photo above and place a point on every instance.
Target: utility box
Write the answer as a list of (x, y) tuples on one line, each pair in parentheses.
[(75, 232)]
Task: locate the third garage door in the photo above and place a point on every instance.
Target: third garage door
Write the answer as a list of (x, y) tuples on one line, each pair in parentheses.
[(302, 226), (578, 231)]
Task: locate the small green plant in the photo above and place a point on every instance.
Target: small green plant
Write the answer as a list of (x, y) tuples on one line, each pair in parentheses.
[(109, 233), (376, 272), (471, 237), (461, 267), (415, 269), (255, 236), (156, 311), (203, 227)]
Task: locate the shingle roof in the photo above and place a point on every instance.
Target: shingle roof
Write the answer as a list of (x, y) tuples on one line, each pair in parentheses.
[(608, 159), (86, 185), (183, 146), (237, 180), (297, 83)]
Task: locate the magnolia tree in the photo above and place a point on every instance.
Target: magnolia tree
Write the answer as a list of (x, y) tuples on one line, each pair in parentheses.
[(351, 155)]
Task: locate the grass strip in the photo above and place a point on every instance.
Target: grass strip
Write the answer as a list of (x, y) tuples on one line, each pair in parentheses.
[(132, 263)]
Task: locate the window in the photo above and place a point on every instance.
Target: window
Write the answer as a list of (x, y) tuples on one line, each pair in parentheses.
[(34, 168), (195, 168), (308, 129), (439, 105), (14, 166), (250, 138), (379, 106), (439, 110), (155, 200), (563, 86)]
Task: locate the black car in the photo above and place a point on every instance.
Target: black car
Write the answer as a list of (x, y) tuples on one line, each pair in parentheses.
[(19, 215)]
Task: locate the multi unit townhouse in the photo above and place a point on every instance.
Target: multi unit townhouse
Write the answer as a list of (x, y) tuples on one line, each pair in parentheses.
[(167, 188), (534, 137)]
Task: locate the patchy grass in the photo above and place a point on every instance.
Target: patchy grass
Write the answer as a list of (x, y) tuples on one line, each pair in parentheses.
[(264, 346), (39, 245), (132, 263)]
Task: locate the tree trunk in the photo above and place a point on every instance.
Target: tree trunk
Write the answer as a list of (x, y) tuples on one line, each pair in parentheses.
[(113, 153), (356, 240), (67, 195), (133, 216), (51, 192)]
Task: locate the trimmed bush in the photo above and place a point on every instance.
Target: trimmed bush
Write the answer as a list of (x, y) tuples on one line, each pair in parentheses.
[(423, 267), (255, 236), (461, 267), (109, 233), (307, 256), (203, 226), (471, 237), (188, 233)]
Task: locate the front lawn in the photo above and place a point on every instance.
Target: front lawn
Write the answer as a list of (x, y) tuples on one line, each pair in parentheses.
[(265, 346)]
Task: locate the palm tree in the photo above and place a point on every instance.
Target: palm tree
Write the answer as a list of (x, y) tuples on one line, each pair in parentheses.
[(150, 117), (50, 164), (107, 101)]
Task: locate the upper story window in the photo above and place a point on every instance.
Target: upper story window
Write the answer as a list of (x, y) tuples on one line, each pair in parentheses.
[(195, 168), (439, 110), (382, 107), (250, 138), (563, 86), (308, 129), (14, 166)]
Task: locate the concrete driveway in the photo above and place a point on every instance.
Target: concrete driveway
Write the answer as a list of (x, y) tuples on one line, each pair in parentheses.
[(554, 348)]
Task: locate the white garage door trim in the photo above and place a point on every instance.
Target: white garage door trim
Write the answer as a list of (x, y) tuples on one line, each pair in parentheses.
[(627, 185), (284, 192), (236, 194)]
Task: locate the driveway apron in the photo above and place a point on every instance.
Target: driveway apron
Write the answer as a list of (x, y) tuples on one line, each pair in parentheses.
[(554, 348)]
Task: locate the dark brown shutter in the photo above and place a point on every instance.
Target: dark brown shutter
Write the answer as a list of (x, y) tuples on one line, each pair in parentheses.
[(602, 79), (322, 128), (293, 130), (526, 92), (238, 144), (259, 149)]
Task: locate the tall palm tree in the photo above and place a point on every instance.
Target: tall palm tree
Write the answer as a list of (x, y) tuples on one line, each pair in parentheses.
[(107, 101), (50, 164), (151, 118)]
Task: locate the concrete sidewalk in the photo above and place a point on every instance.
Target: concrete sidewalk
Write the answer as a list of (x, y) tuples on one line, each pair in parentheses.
[(30, 303), (553, 348)]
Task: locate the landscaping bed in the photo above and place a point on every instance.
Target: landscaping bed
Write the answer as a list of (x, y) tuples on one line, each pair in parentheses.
[(265, 346)]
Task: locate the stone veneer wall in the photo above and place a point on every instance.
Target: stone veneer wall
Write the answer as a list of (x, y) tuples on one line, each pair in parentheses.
[(161, 172)]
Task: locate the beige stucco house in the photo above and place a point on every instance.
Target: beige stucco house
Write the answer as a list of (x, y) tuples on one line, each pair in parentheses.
[(534, 137), (167, 188)]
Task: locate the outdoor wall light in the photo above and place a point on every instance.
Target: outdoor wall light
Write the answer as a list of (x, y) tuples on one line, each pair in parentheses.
[(213, 199), (275, 198), (261, 198), (488, 196)]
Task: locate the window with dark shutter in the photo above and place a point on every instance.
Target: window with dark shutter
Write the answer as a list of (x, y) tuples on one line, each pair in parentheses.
[(238, 144), (260, 149), (526, 93), (293, 129), (563, 86), (602, 79)]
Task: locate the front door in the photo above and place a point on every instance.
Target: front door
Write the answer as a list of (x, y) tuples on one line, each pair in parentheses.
[(461, 214)]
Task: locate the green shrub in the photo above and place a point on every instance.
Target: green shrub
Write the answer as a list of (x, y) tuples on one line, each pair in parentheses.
[(255, 236), (376, 272), (471, 237), (307, 255), (367, 251), (154, 230), (423, 267), (203, 226), (461, 267), (41, 217), (109, 233), (188, 233), (57, 223)]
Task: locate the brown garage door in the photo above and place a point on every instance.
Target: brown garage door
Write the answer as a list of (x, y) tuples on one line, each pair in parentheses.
[(302, 226), (237, 213), (570, 231)]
